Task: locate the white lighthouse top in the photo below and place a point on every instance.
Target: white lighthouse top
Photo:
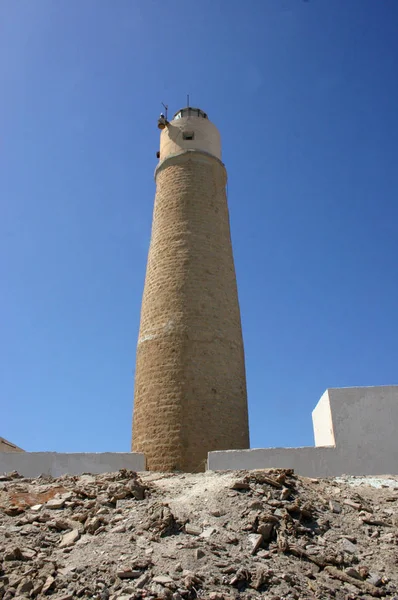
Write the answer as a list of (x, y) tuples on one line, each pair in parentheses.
[(190, 129)]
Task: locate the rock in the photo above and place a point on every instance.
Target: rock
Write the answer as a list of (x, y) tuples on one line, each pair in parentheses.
[(241, 577), (263, 553), (129, 573), (69, 538), (86, 480), (25, 586), (208, 532), (199, 553), (354, 573), (266, 529), (65, 496), (28, 553), (99, 530), (13, 510), (371, 520), (143, 580), (92, 525), (119, 529), (191, 580), (36, 507), (163, 579), (352, 504), (334, 506), (192, 529), (241, 485), (66, 570), (349, 546), (62, 524), (350, 538), (217, 513), (375, 579), (255, 541), (256, 505), (48, 584), (13, 553), (117, 491), (38, 586), (12, 475), (160, 520), (363, 572), (136, 489), (55, 503), (141, 563), (262, 576)]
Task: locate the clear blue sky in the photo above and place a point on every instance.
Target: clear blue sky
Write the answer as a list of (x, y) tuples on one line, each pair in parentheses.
[(305, 95)]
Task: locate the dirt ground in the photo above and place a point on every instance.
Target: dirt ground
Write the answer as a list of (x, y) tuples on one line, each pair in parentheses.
[(224, 535)]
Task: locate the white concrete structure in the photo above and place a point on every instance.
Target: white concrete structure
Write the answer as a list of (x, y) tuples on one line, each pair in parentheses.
[(33, 464), (355, 434), (187, 132)]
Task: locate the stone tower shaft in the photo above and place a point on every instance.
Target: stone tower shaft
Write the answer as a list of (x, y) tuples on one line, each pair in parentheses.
[(190, 385)]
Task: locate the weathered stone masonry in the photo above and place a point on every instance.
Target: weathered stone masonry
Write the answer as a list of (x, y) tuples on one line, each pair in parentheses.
[(190, 387)]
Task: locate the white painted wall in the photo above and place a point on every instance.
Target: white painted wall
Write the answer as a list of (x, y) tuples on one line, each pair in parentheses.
[(207, 137), (361, 421), (33, 464), (308, 462), (365, 421), (322, 422)]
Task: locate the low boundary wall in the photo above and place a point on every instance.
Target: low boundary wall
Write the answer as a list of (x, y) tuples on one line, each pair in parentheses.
[(355, 434), (33, 464)]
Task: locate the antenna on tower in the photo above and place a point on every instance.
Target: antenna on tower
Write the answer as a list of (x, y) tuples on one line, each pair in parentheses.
[(187, 100), (166, 108)]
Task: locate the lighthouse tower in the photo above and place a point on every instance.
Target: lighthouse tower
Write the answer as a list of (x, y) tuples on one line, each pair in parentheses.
[(190, 385)]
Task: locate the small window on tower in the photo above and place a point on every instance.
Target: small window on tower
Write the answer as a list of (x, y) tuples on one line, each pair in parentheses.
[(188, 135)]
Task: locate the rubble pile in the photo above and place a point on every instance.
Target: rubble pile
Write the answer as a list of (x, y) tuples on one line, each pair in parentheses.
[(219, 536)]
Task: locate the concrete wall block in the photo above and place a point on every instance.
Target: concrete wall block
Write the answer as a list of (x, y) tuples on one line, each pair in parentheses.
[(305, 461), (354, 431), (33, 464)]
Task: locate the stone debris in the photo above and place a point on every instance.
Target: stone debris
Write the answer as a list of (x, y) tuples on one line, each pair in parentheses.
[(192, 530), (69, 538), (263, 534), (129, 574), (208, 532), (49, 583), (163, 579), (255, 541), (334, 506), (55, 503)]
